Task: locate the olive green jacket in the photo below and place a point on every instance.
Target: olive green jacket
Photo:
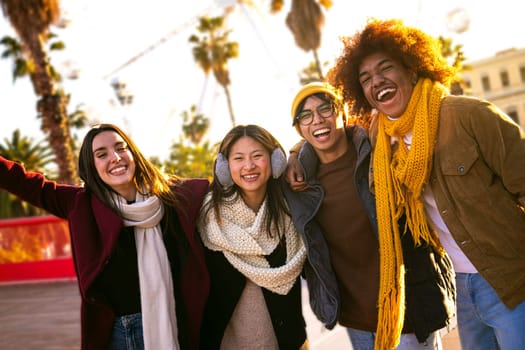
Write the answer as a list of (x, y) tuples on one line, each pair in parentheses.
[(478, 181)]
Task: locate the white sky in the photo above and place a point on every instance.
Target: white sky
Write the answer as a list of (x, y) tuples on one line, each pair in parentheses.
[(105, 34)]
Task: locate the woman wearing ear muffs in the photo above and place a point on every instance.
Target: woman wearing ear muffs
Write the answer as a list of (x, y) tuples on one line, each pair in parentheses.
[(253, 251)]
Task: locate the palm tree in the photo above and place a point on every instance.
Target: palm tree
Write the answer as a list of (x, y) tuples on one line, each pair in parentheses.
[(22, 66), (310, 73), (12, 48), (34, 156), (195, 125), (305, 20), (212, 50), (192, 156), (31, 20)]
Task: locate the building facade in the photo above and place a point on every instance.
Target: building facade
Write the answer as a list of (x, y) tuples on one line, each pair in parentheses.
[(499, 79)]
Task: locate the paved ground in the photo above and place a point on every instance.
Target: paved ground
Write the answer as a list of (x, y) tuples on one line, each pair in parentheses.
[(323, 339), (45, 316)]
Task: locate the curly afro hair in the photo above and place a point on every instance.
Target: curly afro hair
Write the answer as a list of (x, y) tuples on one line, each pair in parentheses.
[(416, 50)]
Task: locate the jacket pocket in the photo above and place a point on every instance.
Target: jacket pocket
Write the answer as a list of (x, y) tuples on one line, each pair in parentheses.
[(488, 212), (459, 162), (466, 174)]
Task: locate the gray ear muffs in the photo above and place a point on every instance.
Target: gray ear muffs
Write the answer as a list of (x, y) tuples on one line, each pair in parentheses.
[(278, 161), (222, 171)]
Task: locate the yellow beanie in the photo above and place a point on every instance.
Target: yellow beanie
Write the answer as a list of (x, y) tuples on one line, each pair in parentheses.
[(311, 89)]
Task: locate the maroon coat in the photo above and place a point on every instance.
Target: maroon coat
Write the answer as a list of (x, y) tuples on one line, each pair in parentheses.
[(94, 230)]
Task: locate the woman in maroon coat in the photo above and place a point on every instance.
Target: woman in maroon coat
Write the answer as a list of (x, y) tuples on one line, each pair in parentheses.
[(138, 259)]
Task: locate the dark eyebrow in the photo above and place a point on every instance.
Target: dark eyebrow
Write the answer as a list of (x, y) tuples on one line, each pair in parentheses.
[(252, 152), (362, 73), (386, 60), (99, 149), (117, 144)]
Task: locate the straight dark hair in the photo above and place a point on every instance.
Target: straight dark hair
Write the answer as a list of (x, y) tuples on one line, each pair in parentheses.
[(277, 207)]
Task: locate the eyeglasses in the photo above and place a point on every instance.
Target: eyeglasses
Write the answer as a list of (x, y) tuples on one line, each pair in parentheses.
[(306, 116)]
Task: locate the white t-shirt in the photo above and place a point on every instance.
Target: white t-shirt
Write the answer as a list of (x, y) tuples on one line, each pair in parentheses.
[(460, 261)]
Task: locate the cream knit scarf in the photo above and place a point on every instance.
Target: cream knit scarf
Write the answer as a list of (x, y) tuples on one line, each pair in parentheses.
[(157, 300), (399, 180), (243, 239)]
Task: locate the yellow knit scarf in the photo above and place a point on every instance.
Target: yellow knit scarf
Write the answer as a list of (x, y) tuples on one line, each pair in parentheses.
[(399, 179)]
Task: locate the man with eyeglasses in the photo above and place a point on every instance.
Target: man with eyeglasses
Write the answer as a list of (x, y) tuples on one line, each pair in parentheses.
[(334, 210)]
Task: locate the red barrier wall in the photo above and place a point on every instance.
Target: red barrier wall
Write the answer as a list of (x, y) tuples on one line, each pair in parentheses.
[(34, 249)]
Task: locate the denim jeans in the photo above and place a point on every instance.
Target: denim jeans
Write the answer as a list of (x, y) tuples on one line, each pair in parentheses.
[(363, 340), (484, 322), (127, 333)]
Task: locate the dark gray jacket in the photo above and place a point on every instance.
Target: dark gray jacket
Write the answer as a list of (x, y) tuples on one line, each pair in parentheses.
[(322, 284), (429, 279)]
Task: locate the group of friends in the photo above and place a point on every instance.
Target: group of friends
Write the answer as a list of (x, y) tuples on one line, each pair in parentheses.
[(401, 206)]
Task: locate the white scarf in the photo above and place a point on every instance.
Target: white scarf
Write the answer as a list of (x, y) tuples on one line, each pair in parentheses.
[(159, 321), (244, 241)]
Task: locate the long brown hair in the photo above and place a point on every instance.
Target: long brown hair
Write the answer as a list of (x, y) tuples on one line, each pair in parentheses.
[(147, 175)]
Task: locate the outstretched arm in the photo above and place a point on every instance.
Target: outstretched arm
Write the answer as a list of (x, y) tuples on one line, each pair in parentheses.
[(34, 188)]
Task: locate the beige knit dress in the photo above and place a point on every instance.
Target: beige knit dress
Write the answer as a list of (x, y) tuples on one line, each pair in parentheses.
[(250, 326)]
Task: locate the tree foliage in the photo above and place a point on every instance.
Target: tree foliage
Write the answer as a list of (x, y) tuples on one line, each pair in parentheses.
[(23, 66), (35, 156), (31, 20), (192, 156), (453, 53), (310, 73)]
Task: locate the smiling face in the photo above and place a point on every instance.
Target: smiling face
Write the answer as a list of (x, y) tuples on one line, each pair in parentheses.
[(387, 84), (114, 163), (250, 168), (326, 135)]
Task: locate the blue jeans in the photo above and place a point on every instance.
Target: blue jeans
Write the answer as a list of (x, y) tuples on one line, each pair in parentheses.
[(363, 340), (127, 333), (484, 322)]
